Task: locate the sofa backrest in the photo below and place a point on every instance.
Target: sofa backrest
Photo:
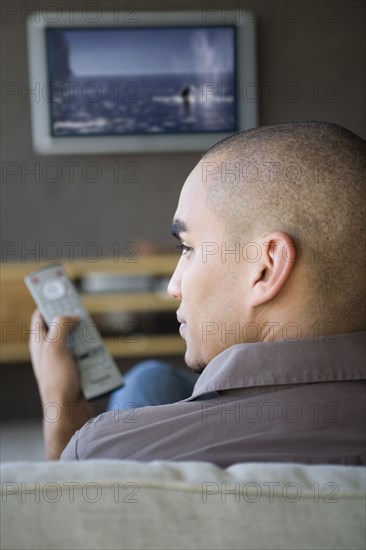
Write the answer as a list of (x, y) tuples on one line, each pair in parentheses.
[(108, 504)]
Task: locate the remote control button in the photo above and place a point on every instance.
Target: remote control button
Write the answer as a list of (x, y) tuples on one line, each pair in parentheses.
[(52, 290)]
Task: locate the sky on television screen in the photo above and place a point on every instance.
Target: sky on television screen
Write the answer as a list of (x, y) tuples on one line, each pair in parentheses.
[(183, 50)]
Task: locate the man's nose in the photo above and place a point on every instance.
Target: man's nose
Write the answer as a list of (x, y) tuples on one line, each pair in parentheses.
[(174, 287)]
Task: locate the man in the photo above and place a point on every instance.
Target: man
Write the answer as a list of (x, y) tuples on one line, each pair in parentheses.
[(270, 287)]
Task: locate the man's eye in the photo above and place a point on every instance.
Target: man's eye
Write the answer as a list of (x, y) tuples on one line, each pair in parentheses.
[(184, 248)]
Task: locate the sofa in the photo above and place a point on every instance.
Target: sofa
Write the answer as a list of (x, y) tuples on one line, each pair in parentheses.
[(111, 504)]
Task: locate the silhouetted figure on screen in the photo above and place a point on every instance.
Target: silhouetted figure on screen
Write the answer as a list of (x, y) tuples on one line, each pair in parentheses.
[(185, 94)]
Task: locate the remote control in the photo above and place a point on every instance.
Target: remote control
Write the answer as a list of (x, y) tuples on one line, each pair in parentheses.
[(55, 294)]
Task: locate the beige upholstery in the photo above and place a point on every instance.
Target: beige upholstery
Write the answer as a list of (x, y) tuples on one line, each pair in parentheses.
[(168, 505)]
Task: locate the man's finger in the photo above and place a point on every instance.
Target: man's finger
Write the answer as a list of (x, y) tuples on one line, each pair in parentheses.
[(38, 329)]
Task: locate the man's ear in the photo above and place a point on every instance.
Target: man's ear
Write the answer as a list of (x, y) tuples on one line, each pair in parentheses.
[(273, 269)]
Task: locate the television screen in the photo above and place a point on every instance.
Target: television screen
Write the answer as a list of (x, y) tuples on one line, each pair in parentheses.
[(164, 81), (142, 81)]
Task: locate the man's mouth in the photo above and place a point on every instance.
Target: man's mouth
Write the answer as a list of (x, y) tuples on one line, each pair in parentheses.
[(181, 319), (183, 325)]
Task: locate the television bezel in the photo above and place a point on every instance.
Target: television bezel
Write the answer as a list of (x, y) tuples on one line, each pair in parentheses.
[(44, 143)]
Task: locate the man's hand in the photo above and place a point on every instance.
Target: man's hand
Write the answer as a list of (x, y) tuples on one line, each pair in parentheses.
[(58, 382), (53, 365)]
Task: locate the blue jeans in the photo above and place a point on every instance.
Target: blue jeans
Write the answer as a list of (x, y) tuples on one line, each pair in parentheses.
[(152, 383)]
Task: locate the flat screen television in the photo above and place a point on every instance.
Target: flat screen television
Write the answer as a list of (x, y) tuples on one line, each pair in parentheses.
[(165, 82)]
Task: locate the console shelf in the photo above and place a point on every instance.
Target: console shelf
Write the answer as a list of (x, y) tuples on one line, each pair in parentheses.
[(17, 306)]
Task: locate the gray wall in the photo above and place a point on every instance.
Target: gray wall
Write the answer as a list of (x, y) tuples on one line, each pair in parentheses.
[(319, 46)]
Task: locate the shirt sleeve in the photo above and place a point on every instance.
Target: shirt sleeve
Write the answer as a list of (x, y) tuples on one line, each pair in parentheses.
[(69, 453)]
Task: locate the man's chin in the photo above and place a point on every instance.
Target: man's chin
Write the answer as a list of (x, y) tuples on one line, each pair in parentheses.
[(197, 367), (195, 364)]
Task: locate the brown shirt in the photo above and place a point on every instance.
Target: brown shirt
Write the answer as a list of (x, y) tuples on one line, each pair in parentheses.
[(301, 401)]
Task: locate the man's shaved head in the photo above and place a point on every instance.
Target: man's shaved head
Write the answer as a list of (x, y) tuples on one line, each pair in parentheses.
[(306, 179)]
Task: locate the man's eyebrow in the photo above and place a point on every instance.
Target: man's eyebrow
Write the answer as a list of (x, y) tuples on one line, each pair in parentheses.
[(178, 227)]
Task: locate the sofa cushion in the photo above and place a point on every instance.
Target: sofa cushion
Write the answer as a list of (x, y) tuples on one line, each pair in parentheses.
[(110, 504)]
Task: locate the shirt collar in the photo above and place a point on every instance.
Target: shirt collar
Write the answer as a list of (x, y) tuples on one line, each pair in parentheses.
[(325, 359)]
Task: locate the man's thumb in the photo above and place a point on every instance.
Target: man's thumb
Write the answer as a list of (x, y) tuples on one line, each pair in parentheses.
[(59, 329)]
